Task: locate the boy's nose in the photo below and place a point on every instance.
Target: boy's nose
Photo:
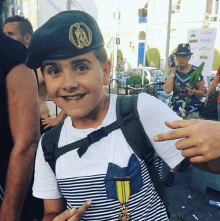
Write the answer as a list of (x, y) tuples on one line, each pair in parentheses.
[(69, 82)]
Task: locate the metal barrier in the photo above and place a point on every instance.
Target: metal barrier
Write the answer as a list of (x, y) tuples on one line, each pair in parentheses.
[(128, 89)]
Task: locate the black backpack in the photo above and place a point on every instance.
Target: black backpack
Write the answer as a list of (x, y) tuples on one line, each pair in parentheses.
[(128, 121)]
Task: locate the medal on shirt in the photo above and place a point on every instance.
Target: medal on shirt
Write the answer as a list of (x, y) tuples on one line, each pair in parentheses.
[(123, 195)]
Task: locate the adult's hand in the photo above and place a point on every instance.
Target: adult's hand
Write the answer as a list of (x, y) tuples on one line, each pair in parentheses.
[(49, 121), (172, 69), (206, 100), (200, 139), (191, 91), (73, 214)]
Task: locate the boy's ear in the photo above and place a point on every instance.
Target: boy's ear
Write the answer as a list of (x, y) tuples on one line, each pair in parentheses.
[(106, 72)]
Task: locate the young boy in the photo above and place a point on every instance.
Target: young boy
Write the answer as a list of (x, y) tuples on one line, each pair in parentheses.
[(69, 49)]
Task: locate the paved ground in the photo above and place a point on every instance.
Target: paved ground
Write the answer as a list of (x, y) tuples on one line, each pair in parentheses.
[(190, 203)]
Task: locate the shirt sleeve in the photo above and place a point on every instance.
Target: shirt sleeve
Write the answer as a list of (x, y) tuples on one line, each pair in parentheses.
[(153, 114), (45, 184)]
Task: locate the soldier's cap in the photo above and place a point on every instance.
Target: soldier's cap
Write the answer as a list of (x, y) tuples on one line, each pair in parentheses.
[(67, 34)]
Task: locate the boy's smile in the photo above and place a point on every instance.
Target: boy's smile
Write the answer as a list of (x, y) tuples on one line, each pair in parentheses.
[(76, 85)]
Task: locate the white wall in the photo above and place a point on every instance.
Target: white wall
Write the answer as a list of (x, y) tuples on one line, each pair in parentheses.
[(190, 16), (49, 8)]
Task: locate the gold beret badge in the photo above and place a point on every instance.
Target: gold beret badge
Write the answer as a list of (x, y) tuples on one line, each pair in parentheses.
[(80, 35)]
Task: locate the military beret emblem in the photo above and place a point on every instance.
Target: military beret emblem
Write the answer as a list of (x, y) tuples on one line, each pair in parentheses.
[(80, 35)]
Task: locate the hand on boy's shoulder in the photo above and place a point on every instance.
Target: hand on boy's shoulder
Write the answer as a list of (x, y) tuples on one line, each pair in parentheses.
[(74, 214)]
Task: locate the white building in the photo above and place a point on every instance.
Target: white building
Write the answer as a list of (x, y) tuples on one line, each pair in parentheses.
[(140, 24)]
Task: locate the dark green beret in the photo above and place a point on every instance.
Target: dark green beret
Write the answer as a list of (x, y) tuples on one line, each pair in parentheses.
[(65, 35)]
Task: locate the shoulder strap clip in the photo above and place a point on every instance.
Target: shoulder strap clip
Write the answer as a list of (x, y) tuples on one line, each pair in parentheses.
[(96, 135)]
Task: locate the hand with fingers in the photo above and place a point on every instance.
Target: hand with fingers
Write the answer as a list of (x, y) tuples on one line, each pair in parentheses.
[(191, 91), (206, 100), (200, 139), (172, 69), (49, 121), (73, 214)]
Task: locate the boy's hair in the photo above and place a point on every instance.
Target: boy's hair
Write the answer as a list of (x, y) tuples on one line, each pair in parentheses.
[(101, 54), (24, 25)]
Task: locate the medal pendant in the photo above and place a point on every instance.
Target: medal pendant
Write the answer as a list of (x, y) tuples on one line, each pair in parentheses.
[(123, 195), (124, 216)]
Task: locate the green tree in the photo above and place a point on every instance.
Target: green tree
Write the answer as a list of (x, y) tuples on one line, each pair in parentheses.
[(216, 60), (119, 56), (152, 57), (135, 80)]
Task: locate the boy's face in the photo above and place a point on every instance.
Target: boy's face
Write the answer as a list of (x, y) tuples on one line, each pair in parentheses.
[(76, 84)]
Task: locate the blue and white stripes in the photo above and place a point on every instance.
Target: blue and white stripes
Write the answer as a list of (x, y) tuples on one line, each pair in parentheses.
[(142, 206)]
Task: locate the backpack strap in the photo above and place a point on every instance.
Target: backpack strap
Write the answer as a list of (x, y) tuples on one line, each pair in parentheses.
[(136, 137), (51, 138), (49, 144), (83, 144)]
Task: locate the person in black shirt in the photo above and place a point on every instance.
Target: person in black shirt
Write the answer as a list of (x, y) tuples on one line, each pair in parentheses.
[(20, 29), (19, 126)]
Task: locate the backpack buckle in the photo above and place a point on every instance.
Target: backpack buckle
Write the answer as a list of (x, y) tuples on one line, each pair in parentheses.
[(96, 135), (49, 157)]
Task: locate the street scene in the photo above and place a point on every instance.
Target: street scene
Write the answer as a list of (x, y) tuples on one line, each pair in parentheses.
[(149, 68)]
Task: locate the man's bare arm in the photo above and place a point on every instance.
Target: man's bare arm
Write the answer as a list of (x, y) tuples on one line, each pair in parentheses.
[(212, 87), (168, 86), (23, 108)]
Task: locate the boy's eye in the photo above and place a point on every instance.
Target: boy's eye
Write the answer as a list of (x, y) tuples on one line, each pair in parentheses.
[(54, 71), (82, 68)]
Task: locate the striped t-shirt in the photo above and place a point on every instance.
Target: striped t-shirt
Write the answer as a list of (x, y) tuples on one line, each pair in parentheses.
[(144, 205), (80, 179)]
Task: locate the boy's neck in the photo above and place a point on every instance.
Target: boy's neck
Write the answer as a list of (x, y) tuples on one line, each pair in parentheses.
[(95, 118)]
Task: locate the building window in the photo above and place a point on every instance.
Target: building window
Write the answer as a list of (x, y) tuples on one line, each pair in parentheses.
[(176, 7), (142, 13), (142, 35), (215, 12), (116, 15)]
